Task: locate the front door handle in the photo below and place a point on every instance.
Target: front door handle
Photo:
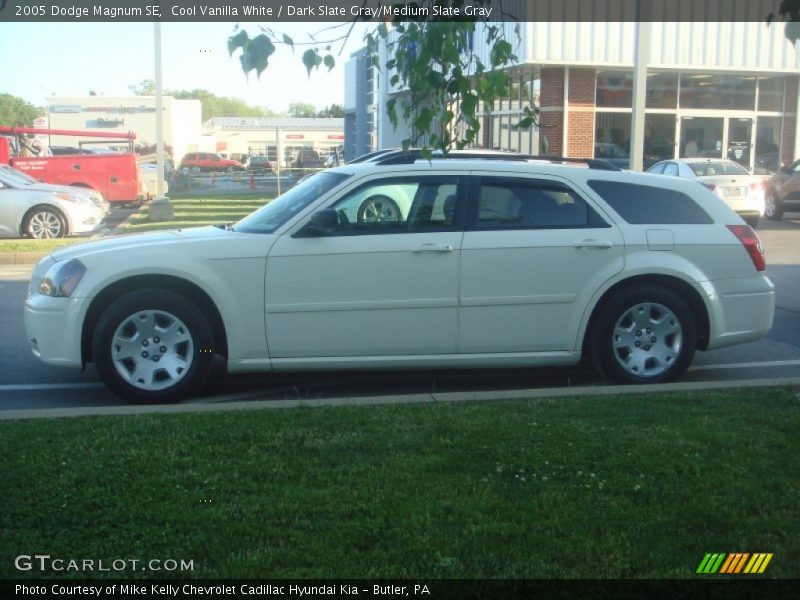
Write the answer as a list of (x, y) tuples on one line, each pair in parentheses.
[(440, 248), (593, 244)]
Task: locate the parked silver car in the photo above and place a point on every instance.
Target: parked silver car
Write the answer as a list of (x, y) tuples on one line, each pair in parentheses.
[(40, 210)]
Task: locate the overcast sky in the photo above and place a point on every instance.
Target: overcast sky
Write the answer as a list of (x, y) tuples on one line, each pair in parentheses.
[(41, 59)]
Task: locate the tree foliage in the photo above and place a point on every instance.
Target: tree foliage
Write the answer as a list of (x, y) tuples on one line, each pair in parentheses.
[(334, 111), (16, 111), (302, 110), (212, 105), (789, 13), (440, 81)]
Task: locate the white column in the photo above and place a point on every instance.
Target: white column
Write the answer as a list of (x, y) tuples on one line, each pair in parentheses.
[(159, 115), (641, 56), (796, 154)]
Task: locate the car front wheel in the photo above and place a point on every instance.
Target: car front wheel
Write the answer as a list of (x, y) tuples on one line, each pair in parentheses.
[(644, 334), (153, 346), (44, 223), (773, 207)]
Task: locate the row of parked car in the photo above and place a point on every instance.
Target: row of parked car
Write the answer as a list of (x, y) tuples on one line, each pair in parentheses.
[(306, 158)]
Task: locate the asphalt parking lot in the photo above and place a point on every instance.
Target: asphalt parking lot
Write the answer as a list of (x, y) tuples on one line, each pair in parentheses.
[(25, 382)]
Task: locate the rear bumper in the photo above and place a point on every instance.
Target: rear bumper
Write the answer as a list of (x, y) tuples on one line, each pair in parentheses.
[(742, 310)]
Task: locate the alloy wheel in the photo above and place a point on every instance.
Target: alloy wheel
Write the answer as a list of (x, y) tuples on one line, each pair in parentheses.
[(647, 339), (152, 349)]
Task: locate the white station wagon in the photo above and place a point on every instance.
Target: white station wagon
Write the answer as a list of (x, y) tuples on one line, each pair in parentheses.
[(499, 261)]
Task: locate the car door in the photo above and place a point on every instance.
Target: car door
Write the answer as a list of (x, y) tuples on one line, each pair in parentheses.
[(534, 253), (382, 282)]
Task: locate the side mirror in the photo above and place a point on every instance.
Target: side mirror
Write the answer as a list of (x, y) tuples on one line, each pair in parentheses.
[(322, 222), (785, 169)]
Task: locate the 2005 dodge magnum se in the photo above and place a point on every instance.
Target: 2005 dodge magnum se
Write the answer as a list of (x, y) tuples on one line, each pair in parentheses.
[(474, 260)]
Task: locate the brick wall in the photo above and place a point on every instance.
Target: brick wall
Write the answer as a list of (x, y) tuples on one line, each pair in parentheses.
[(581, 99), (551, 102)]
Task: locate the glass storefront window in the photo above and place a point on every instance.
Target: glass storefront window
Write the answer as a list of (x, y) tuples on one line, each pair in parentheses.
[(659, 138), (768, 142), (770, 93), (612, 137), (701, 136), (733, 92), (614, 89), (662, 90)]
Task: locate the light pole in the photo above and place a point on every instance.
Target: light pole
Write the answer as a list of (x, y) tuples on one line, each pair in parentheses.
[(640, 58)]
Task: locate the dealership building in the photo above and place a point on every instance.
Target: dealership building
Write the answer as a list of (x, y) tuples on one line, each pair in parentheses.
[(713, 90), (272, 137), (182, 119)]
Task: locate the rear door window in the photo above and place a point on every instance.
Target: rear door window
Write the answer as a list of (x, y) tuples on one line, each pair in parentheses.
[(516, 203), (645, 204)]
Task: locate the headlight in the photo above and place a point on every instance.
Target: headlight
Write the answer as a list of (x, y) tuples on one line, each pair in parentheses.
[(76, 198), (62, 278)]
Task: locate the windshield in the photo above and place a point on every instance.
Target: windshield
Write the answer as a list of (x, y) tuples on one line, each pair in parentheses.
[(710, 169), (17, 177), (274, 214)]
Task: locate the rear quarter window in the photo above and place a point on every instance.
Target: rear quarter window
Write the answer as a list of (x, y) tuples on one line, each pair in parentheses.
[(650, 205)]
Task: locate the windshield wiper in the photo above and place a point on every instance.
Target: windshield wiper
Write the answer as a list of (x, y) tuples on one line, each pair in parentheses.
[(225, 226)]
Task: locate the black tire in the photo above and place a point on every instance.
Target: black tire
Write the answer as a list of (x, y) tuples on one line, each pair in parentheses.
[(657, 311), (378, 208), (36, 220), (773, 206), (120, 315)]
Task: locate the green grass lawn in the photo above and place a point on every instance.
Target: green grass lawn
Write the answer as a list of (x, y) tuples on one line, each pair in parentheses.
[(633, 486), (194, 212)]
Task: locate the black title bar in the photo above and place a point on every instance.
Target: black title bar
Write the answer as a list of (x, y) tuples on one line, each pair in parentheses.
[(277, 11)]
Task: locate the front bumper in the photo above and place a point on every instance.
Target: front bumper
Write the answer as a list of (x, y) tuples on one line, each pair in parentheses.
[(85, 219), (53, 329)]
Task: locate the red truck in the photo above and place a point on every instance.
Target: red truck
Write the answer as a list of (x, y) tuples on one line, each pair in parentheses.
[(114, 174)]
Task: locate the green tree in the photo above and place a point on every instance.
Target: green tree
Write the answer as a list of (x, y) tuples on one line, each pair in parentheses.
[(146, 87), (16, 111), (789, 14), (334, 111), (212, 105), (302, 109), (444, 78)]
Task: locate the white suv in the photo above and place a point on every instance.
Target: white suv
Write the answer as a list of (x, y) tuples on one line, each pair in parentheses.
[(499, 260)]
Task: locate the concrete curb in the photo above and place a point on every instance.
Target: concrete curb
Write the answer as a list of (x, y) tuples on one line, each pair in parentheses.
[(249, 401), (21, 258)]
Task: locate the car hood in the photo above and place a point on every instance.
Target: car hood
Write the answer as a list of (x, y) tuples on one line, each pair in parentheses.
[(69, 189), (127, 244)]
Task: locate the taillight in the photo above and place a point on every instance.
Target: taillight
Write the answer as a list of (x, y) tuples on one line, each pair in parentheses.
[(751, 243), (711, 186), (755, 186)]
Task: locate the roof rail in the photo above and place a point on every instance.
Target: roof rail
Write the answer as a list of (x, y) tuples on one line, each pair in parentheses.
[(399, 157)]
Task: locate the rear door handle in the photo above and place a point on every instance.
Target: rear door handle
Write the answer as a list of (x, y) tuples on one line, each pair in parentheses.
[(441, 248), (593, 244)]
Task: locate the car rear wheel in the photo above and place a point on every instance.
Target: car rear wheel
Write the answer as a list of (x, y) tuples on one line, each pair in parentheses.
[(44, 222), (644, 334), (773, 207), (153, 346)]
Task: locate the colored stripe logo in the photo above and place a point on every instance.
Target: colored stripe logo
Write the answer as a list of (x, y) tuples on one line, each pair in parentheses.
[(732, 563)]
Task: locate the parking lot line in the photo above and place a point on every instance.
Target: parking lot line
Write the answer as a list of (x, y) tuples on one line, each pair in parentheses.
[(48, 386), (748, 365)]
